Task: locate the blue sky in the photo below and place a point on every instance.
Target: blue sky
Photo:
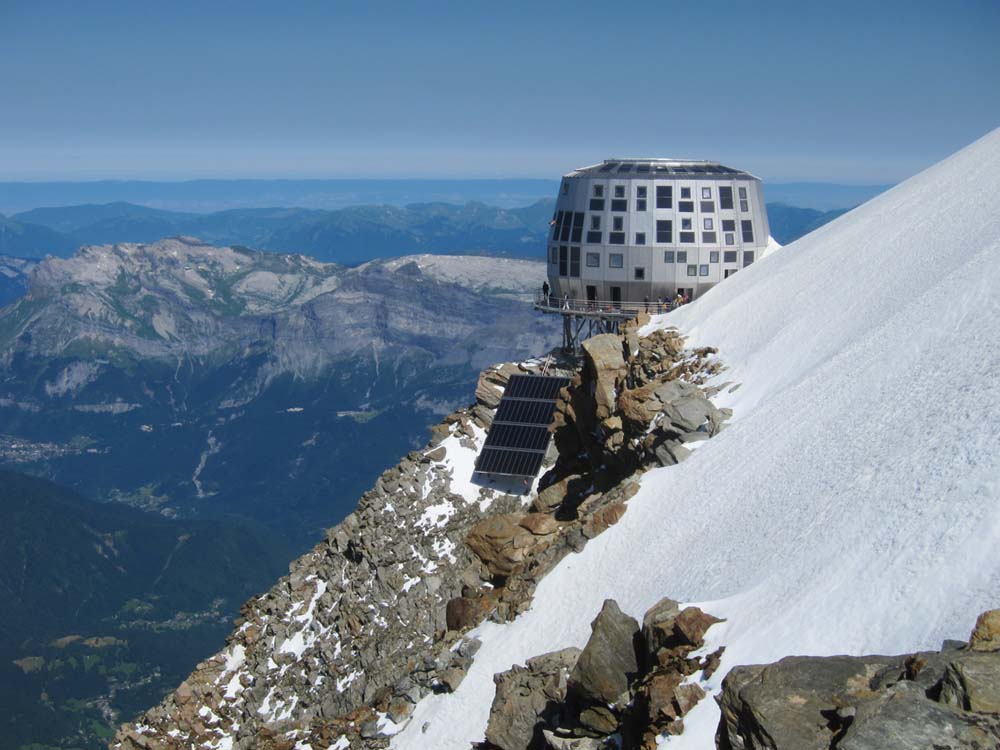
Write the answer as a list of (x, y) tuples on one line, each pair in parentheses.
[(864, 92)]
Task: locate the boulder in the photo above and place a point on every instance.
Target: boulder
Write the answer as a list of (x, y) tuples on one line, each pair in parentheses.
[(658, 628), (986, 634), (599, 719), (604, 357), (972, 682), (608, 661), (466, 612), (501, 543)]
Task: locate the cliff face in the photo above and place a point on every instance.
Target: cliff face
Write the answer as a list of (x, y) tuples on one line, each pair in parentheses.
[(372, 619)]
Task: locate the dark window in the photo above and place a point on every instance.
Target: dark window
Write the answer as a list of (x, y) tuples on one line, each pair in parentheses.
[(619, 204), (640, 274), (593, 260), (565, 188), (640, 238), (685, 192), (564, 235), (747, 226), (640, 191), (703, 270), (687, 224), (664, 196), (640, 204), (574, 262), (692, 270), (664, 231), (593, 238), (577, 234), (685, 206), (616, 238), (595, 222), (553, 254), (617, 223), (615, 260), (747, 257), (729, 256), (668, 256), (598, 191), (713, 257), (708, 238), (619, 191), (730, 239), (729, 225), (563, 261), (706, 193), (687, 236), (557, 225), (707, 207), (682, 256), (725, 197), (596, 204)]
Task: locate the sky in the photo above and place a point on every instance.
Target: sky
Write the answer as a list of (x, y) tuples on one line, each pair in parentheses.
[(854, 92)]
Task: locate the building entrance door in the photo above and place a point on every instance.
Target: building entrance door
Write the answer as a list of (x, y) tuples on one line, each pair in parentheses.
[(729, 272), (591, 295), (616, 297)]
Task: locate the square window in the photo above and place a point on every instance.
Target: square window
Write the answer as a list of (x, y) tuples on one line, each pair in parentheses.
[(708, 238), (664, 196), (598, 191), (692, 270), (685, 206), (596, 204), (640, 204), (619, 204), (619, 191), (703, 270), (616, 238), (687, 237), (640, 191), (640, 238), (729, 256), (725, 198), (708, 223), (595, 222), (682, 256), (685, 192), (729, 225), (747, 226), (713, 257), (593, 260), (615, 260), (640, 274), (747, 257), (664, 231), (593, 238), (617, 223), (730, 238), (707, 207), (686, 224), (668, 256), (706, 193)]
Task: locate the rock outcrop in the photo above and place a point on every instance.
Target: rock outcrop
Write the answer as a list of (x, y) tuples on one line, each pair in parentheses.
[(941, 700)]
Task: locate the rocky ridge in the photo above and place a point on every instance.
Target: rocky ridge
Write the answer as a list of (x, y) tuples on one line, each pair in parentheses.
[(373, 618)]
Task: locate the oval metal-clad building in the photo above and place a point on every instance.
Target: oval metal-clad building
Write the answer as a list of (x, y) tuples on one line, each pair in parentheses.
[(643, 230)]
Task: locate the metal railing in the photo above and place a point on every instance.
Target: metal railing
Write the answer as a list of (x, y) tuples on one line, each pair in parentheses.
[(621, 308)]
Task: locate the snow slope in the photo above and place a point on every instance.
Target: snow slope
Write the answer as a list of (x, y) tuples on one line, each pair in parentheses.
[(854, 503)]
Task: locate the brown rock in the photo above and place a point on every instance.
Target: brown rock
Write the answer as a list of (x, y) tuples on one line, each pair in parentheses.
[(603, 518), (604, 355), (540, 524), (599, 719), (500, 542), (986, 634), (466, 612), (691, 625), (488, 393)]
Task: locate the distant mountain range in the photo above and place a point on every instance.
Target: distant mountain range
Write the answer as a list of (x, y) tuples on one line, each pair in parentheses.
[(348, 236)]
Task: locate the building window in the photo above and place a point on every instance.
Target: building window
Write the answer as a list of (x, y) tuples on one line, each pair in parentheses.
[(617, 223), (743, 193), (619, 204), (615, 260), (593, 260), (729, 225), (563, 260), (593, 238), (640, 238), (557, 224), (685, 206), (668, 256), (664, 196), (598, 191), (619, 191), (708, 238), (616, 238), (692, 270), (664, 231), (577, 227), (708, 223), (713, 257), (706, 193), (640, 274), (574, 262), (640, 191), (565, 188), (682, 256), (747, 226), (729, 256), (707, 207), (747, 257), (640, 204), (596, 204), (730, 239), (686, 224), (685, 192), (725, 198), (687, 237), (703, 270), (744, 204), (595, 222), (553, 255)]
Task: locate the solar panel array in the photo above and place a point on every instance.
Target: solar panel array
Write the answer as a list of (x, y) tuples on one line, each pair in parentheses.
[(519, 435)]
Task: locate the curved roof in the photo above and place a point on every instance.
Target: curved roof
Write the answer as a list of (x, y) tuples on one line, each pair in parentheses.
[(646, 167)]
